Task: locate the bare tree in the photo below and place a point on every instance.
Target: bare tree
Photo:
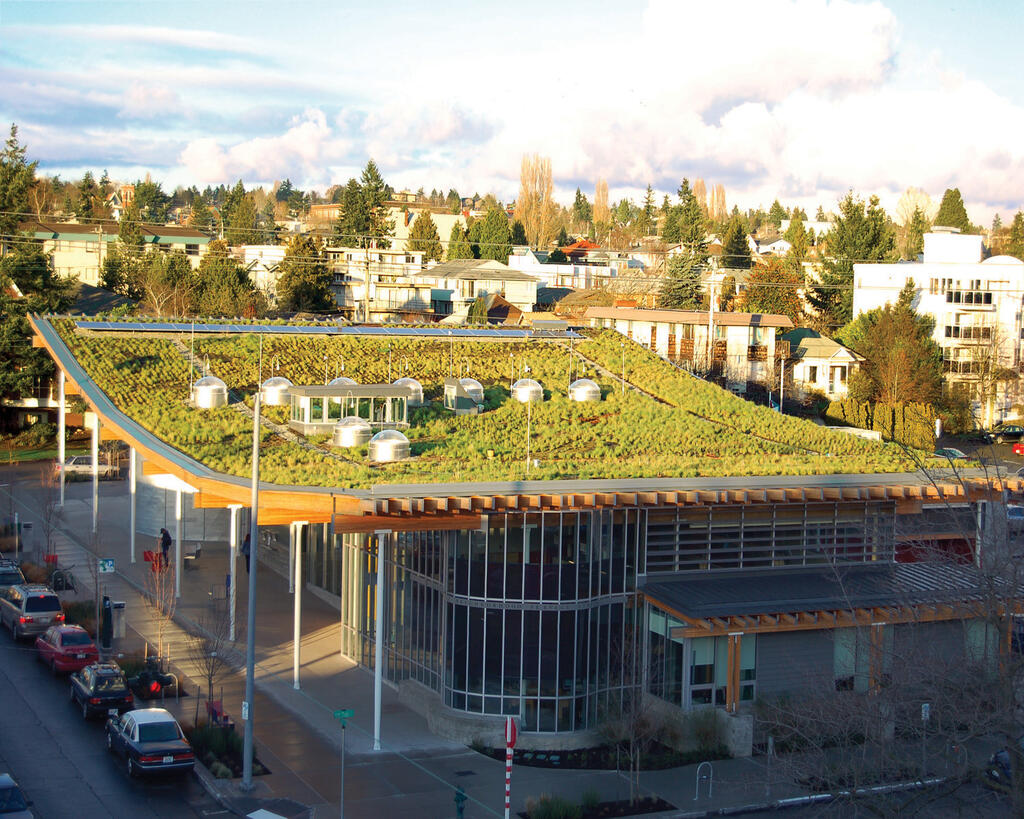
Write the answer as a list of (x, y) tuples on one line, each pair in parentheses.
[(161, 602), (602, 213), (206, 649), (49, 510), (535, 207)]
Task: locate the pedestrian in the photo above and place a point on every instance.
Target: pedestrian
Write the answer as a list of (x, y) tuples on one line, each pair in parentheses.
[(165, 546), (246, 547)]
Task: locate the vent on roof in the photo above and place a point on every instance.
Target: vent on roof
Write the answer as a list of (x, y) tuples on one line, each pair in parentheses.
[(415, 390), (583, 389), (527, 391), (209, 392), (350, 432), (274, 392), (389, 445), (473, 388)]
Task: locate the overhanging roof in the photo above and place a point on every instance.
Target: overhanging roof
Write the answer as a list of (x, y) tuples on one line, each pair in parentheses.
[(350, 391), (690, 317), (780, 591)]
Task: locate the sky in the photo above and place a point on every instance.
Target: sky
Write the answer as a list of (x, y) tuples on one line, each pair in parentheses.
[(800, 100)]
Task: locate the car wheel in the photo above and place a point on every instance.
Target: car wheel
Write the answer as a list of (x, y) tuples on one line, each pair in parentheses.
[(131, 768), (15, 633), (85, 714), (110, 743)]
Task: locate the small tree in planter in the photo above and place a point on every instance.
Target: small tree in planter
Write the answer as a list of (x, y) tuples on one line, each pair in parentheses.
[(206, 651), (161, 602)]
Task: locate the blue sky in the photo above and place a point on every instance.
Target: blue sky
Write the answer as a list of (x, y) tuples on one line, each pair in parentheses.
[(798, 99)]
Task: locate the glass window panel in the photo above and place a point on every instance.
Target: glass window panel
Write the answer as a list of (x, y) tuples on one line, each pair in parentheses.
[(549, 653), (477, 562), (513, 651), (474, 680)]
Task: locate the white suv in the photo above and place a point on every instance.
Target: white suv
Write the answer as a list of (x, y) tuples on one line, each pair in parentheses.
[(80, 466)]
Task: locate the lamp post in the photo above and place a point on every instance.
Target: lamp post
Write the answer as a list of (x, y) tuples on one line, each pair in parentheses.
[(623, 378), (250, 637)]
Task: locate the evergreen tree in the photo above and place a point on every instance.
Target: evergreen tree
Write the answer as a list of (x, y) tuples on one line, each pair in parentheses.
[(735, 249), (860, 233), (352, 225), (682, 288), (423, 236), (151, 202), (375, 195), (305, 280), (952, 212), (16, 178), (1015, 247), (562, 240), (692, 224), (201, 218), (776, 213), (88, 194), (495, 237), (24, 368), (913, 240), (582, 213), (269, 231), (820, 215), (224, 287), (647, 219), (453, 201), (105, 184), (797, 238), (458, 245), (129, 232), (240, 228), (232, 201), (474, 233), (519, 234), (557, 257)]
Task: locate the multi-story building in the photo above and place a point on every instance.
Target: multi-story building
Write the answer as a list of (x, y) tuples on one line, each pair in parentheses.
[(79, 248), (374, 284), (457, 284), (582, 271), (745, 348), (976, 303)]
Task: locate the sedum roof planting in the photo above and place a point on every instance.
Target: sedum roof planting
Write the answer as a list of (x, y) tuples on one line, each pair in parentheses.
[(672, 425)]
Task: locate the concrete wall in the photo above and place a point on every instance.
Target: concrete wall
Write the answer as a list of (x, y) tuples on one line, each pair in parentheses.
[(736, 731), (793, 661)]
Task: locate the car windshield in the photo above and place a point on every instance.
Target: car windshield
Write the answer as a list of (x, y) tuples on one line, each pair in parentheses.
[(42, 602), (8, 577), (76, 638), (109, 683), (158, 732), (11, 800)]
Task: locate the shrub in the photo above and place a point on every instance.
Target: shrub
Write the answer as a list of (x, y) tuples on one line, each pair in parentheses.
[(220, 770), (555, 807), (591, 799)]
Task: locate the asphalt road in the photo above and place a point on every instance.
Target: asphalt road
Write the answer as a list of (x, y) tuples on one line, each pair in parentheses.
[(60, 761)]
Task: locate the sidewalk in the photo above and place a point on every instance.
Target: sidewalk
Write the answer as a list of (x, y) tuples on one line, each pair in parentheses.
[(297, 738)]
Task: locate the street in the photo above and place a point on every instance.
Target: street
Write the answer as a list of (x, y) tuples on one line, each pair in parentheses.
[(60, 761)]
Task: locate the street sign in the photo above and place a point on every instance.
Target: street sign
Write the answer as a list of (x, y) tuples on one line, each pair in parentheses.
[(343, 714), (106, 565), (245, 710), (926, 711)]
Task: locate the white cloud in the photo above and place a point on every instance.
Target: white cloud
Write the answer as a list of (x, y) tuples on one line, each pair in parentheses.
[(141, 35), (150, 101)]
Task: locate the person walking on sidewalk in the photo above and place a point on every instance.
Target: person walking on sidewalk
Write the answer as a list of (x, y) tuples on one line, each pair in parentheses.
[(246, 547), (165, 546)]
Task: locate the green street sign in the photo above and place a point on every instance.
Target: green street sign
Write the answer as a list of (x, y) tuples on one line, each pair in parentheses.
[(344, 714), (106, 565)]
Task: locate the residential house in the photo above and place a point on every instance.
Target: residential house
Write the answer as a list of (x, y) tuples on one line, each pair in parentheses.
[(976, 304), (263, 265), (745, 350), (593, 267), (820, 365), (119, 199), (79, 249), (458, 283), (372, 284), (405, 215)]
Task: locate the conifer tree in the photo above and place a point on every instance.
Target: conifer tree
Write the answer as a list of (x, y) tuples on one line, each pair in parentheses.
[(423, 236), (735, 249), (495, 237), (682, 288), (952, 212), (458, 245), (305, 280)]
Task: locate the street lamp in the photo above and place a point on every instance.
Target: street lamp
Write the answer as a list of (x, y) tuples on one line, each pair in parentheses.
[(623, 345)]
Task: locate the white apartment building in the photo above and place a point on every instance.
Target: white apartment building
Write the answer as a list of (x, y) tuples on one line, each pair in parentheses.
[(376, 284), (976, 303), (745, 344), (455, 285), (594, 269)]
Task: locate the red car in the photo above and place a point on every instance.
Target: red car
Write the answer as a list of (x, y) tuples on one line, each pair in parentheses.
[(66, 648), (1018, 448)]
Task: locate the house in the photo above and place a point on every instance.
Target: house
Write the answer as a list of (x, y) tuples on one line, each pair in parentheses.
[(745, 345), (820, 365), (976, 304), (585, 269), (458, 283), (778, 247), (404, 216), (262, 262), (79, 249), (119, 199)]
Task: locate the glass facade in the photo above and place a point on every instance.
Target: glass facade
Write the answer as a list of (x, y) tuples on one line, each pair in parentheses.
[(536, 615)]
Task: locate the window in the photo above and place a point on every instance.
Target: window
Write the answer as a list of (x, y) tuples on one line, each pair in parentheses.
[(709, 669), (812, 375), (191, 250)]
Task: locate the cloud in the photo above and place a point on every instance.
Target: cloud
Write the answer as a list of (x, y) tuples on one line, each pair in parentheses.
[(150, 101), (143, 35)]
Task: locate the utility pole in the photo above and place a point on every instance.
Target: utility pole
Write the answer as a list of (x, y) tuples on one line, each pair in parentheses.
[(250, 636)]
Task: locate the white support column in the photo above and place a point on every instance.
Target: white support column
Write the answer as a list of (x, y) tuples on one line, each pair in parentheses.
[(232, 562), (177, 542), (297, 616), (61, 430), (291, 558), (94, 450), (378, 656), (132, 483)]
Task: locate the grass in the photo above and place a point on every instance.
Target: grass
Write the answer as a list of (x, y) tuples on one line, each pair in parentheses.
[(43, 453), (695, 429)]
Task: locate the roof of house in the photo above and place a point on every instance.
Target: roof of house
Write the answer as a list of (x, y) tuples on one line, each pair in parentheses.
[(91, 301), (703, 594), (477, 269), (109, 228), (806, 343), (581, 246), (690, 317)]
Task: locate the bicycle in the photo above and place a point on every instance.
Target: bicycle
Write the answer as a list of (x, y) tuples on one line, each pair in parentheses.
[(63, 580)]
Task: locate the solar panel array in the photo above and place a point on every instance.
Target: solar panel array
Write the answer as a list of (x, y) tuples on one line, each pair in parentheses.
[(326, 329)]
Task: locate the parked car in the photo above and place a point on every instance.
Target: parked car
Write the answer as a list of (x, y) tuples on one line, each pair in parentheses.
[(13, 804), (950, 453), (1005, 432), (1015, 517), (66, 648), (10, 575), (999, 771), (150, 740), (80, 466), (29, 608), (101, 688)]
